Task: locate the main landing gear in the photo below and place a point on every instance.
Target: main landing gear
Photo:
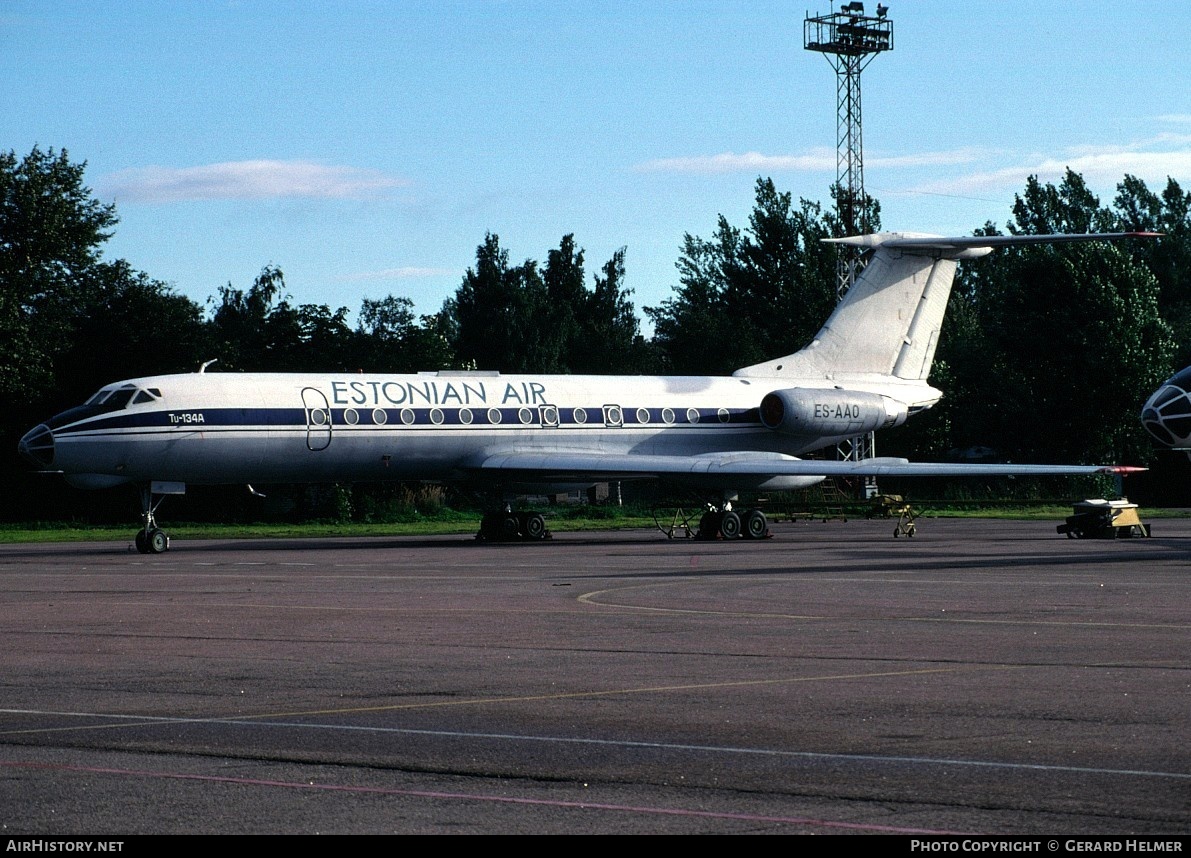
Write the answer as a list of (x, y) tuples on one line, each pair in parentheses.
[(507, 526), (151, 539), (726, 523)]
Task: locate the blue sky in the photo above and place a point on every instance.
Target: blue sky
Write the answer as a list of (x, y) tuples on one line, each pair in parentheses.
[(366, 148)]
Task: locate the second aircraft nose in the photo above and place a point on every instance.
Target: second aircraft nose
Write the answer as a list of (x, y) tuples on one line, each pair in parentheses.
[(1167, 416), (37, 445)]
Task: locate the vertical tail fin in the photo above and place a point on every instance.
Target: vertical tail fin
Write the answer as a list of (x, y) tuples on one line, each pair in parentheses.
[(888, 323)]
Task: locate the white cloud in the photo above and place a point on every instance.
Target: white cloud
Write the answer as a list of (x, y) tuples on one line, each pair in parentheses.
[(815, 160), (246, 180), (1114, 165), (1151, 160), (966, 155), (404, 273), (730, 162)]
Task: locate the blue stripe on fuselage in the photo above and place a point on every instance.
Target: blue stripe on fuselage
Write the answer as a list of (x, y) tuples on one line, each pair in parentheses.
[(216, 419)]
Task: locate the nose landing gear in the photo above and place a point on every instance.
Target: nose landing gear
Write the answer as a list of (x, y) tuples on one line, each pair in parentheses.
[(151, 539)]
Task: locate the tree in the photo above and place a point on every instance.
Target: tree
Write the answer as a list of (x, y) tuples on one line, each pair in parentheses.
[(518, 319), (608, 336), (51, 236), (499, 317), (62, 307), (325, 342), (749, 295), (139, 325), (1068, 207), (240, 321), (263, 330), (691, 331), (390, 338), (1050, 348), (566, 296), (1168, 258)]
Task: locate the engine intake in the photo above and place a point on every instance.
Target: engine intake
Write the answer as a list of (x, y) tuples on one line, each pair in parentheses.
[(829, 412)]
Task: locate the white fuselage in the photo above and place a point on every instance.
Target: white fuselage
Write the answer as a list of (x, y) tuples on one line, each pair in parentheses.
[(211, 428)]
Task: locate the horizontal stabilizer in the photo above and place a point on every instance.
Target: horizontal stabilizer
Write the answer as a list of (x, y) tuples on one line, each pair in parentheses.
[(955, 246)]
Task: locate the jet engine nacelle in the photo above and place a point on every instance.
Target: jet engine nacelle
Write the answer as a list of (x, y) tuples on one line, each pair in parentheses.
[(829, 412)]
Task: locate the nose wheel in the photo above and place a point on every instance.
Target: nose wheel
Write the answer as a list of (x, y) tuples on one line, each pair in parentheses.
[(155, 541)]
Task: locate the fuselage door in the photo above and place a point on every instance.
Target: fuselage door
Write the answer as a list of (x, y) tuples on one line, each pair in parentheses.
[(318, 419)]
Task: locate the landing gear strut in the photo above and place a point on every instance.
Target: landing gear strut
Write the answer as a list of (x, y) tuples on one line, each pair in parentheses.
[(150, 539)]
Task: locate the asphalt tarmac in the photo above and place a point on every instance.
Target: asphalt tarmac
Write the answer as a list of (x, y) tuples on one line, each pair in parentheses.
[(982, 677)]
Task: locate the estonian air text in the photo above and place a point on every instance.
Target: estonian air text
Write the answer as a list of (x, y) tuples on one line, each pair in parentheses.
[(415, 393)]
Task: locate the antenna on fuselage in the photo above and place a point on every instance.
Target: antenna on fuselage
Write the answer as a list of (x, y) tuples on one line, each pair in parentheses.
[(207, 363)]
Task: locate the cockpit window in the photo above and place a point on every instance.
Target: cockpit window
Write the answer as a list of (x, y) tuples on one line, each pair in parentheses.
[(118, 398), (115, 398)]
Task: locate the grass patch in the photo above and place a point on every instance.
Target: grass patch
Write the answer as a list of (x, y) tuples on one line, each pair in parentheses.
[(561, 520)]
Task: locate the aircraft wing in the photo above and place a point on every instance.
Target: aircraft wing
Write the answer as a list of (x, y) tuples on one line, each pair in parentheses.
[(564, 465)]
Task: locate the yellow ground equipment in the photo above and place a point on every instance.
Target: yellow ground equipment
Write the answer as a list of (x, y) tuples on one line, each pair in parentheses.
[(888, 506), (1104, 519)]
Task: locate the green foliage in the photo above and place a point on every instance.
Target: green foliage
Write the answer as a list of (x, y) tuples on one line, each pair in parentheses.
[(499, 315), (261, 330), (608, 335), (61, 304), (51, 235), (401, 502), (747, 296), (519, 319), (1169, 258), (1049, 350), (139, 325), (389, 338)]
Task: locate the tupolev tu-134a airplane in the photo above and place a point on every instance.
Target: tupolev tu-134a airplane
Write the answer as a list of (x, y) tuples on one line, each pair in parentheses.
[(865, 370)]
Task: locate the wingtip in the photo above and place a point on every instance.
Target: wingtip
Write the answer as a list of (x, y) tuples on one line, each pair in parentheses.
[(1122, 470)]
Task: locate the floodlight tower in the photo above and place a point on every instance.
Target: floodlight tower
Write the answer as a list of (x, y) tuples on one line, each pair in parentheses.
[(850, 39)]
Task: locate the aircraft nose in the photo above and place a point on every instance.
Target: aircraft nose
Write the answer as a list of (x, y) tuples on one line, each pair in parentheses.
[(37, 445), (1167, 416)]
